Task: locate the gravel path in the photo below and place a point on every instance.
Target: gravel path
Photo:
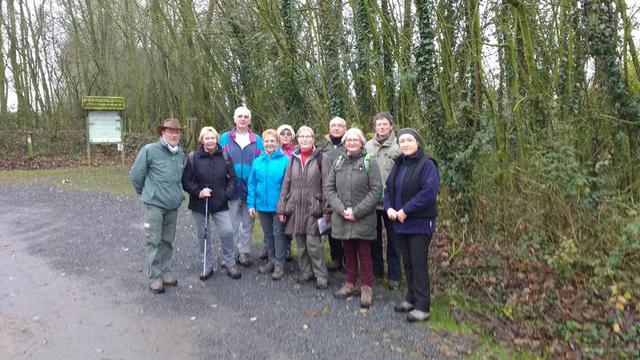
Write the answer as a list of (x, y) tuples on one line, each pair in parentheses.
[(73, 286)]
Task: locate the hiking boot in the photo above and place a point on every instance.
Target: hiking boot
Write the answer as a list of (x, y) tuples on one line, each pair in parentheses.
[(301, 279), (322, 284), (366, 298), (156, 286), (232, 272), (264, 255), (288, 256), (244, 260), (169, 280), (278, 272), (334, 266), (403, 306), (266, 268), (417, 315), (347, 290), (206, 275)]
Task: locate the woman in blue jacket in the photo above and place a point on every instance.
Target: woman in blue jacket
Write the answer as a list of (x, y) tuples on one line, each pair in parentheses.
[(410, 200), (265, 181)]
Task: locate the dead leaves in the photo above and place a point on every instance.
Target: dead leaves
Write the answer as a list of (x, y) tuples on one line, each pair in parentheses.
[(529, 306)]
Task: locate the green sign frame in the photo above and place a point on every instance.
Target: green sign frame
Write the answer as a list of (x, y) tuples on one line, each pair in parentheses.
[(103, 103)]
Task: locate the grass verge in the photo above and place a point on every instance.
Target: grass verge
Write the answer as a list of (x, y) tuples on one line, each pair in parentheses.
[(110, 179)]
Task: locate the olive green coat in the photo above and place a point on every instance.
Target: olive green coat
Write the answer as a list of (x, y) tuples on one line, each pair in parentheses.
[(385, 154), (352, 183)]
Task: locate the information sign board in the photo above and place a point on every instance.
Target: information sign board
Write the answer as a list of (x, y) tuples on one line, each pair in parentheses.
[(104, 127)]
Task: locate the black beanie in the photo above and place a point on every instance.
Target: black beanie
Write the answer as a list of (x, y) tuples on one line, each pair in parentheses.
[(412, 132)]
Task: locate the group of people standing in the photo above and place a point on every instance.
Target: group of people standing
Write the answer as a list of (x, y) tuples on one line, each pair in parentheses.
[(297, 189)]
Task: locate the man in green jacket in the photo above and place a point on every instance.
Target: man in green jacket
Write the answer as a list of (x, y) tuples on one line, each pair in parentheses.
[(384, 147), (156, 175)]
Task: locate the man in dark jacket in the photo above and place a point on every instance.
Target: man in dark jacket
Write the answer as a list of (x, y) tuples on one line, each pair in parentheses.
[(332, 148)]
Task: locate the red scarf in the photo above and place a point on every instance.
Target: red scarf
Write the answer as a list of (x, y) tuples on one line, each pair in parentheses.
[(304, 155)]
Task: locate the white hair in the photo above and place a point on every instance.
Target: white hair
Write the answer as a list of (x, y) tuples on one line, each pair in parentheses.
[(242, 110)]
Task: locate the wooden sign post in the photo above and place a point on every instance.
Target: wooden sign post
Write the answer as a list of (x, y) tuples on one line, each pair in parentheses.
[(104, 122)]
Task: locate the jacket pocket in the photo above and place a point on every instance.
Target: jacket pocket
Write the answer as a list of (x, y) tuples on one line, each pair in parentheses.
[(315, 205), (288, 205)]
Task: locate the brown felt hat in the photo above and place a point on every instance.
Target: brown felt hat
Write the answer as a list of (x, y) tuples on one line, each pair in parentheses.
[(169, 123)]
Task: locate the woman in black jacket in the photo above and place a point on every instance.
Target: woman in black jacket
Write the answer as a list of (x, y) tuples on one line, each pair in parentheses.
[(209, 176)]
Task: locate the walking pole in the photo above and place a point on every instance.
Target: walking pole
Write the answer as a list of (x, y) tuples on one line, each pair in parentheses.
[(206, 236)]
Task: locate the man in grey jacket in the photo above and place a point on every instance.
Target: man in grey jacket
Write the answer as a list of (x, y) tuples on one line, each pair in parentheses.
[(156, 175)]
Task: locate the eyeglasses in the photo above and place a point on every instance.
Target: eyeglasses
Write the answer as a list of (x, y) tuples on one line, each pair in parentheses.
[(305, 136), (351, 140), (285, 133)]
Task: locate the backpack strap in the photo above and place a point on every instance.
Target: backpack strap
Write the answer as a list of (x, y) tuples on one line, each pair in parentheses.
[(319, 160), (367, 162), (338, 161)]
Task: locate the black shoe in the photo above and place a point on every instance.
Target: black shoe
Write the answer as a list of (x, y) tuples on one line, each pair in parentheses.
[(264, 255), (288, 256), (300, 279), (206, 275), (232, 272), (244, 260)]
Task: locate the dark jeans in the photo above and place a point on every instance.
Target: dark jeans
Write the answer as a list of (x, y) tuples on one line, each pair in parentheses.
[(335, 249), (273, 236), (358, 252), (393, 255), (415, 258)]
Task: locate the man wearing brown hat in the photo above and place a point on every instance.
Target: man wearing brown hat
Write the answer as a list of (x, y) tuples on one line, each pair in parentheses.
[(156, 175)]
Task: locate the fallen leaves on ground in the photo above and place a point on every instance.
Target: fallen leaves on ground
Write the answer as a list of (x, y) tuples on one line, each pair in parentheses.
[(530, 306)]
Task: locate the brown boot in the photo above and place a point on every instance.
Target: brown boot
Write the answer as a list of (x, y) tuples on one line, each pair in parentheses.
[(278, 272), (266, 268), (156, 286), (169, 280), (347, 290), (366, 298)]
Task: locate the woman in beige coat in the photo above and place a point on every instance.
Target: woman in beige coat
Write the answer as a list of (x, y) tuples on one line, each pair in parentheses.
[(302, 205)]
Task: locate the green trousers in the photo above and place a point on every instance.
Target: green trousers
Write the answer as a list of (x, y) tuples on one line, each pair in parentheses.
[(311, 257), (159, 231)]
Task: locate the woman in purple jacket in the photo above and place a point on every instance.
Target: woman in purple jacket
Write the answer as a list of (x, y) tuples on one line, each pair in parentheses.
[(410, 200)]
